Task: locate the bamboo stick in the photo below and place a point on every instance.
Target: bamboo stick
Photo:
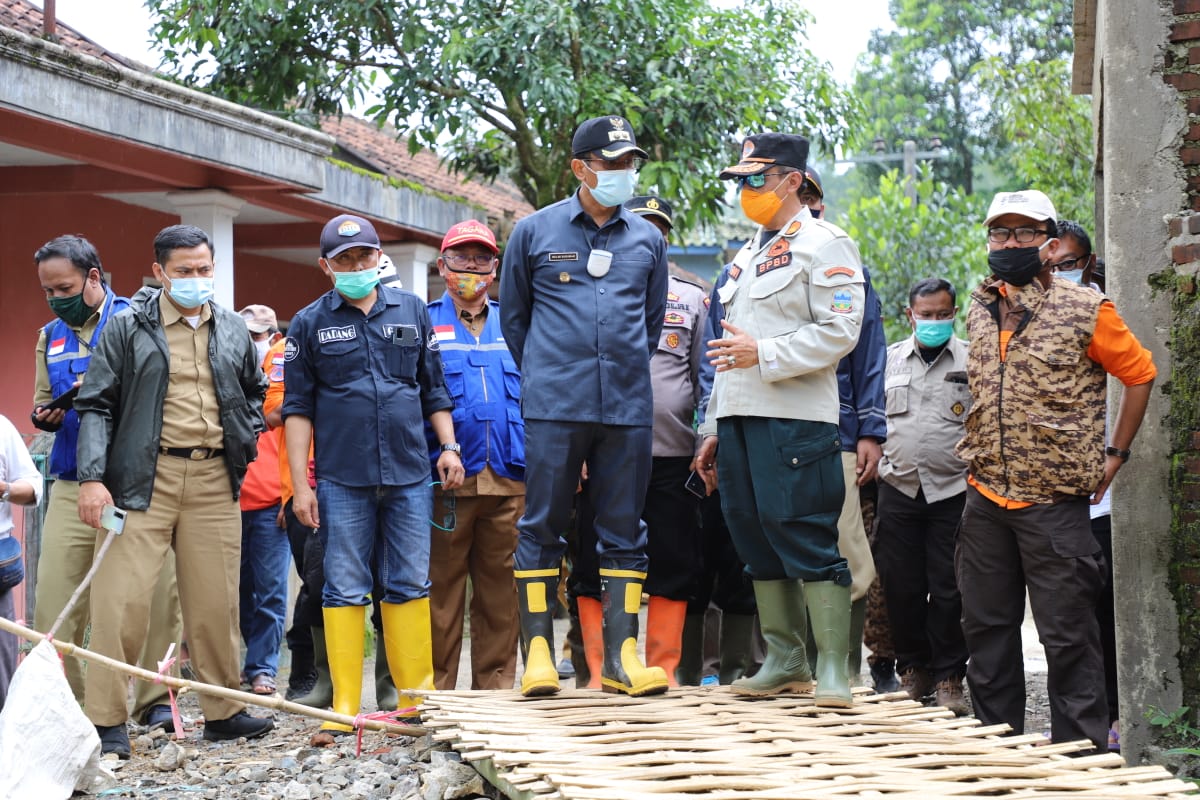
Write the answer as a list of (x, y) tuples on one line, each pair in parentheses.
[(275, 703)]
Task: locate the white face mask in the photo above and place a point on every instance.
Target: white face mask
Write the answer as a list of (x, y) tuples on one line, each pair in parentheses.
[(261, 348)]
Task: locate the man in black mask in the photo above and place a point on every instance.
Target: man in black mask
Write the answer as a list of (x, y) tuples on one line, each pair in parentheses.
[(1041, 348)]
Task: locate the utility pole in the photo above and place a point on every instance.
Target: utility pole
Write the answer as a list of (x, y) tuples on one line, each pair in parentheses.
[(908, 157)]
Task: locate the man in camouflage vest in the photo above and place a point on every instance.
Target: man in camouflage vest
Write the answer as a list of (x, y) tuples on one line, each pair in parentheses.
[(1040, 350)]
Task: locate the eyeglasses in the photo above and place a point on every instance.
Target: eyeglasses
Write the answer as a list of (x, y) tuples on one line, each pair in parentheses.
[(939, 316), (1068, 264), (449, 519), (758, 181), (459, 263), (1023, 235), (636, 163)]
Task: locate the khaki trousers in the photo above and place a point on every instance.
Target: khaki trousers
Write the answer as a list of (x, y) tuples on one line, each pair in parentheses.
[(66, 555), (481, 546), (192, 510)]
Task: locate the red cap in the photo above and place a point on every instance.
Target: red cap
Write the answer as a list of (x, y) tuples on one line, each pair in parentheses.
[(471, 230)]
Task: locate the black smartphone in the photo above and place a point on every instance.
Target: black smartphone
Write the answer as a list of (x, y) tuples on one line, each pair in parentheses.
[(64, 400), (695, 485)]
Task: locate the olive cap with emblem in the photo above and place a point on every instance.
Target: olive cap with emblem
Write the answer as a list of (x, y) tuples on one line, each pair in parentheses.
[(610, 137), (345, 231), (648, 205), (765, 150)]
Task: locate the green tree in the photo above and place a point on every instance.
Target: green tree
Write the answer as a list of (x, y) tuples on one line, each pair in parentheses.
[(923, 79), (1049, 133), (940, 236), (500, 85)]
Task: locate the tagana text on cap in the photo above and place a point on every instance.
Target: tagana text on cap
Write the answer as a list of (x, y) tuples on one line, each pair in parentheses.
[(648, 205), (345, 231), (259, 319), (611, 137), (765, 150), (471, 230), (1027, 202)]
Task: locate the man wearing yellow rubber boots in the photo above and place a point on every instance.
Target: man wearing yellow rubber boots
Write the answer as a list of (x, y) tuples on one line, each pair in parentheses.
[(363, 373), (582, 297), (793, 306)]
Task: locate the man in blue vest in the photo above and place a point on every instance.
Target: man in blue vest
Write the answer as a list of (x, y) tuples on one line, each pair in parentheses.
[(475, 525), (71, 275)]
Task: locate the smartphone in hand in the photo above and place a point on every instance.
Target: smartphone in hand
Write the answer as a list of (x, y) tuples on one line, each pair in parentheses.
[(695, 485)]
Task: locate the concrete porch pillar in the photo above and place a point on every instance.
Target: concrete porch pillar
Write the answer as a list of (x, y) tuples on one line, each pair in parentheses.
[(412, 260)]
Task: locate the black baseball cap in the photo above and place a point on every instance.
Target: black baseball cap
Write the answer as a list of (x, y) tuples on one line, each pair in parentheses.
[(648, 205), (765, 150), (611, 137), (346, 231), (814, 179)]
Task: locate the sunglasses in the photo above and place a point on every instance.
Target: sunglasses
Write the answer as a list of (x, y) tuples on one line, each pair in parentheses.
[(449, 520), (757, 181)]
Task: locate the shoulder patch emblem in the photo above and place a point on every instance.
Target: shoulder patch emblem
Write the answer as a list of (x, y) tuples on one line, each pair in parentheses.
[(673, 318), (734, 272), (276, 374), (779, 247), (707, 301), (792, 227), (290, 349), (843, 302), (672, 296), (829, 273), (672, 340), (434, 344)]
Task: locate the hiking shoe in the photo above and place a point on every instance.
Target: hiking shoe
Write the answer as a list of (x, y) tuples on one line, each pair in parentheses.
[(239, 725), (565, 669), (950, 696), (917, 682), (300, 685), (159, 716), (883, 676), (114, 739)]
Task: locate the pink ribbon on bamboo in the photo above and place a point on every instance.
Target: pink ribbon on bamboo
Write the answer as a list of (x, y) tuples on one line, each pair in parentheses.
[(397, 716), (167, 662)]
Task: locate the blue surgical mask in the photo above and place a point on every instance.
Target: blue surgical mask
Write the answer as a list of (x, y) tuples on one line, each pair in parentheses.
[(356, 285), (614, 187), (1072, 275), (934, 332), (190, 292)]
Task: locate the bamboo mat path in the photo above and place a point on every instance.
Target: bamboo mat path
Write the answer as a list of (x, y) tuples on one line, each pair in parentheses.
[(706, 743)]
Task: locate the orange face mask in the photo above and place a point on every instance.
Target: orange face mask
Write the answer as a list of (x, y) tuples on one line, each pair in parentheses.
[(761, 206)]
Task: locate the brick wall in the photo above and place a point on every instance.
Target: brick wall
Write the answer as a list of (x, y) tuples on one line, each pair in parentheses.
[(1182, 70)]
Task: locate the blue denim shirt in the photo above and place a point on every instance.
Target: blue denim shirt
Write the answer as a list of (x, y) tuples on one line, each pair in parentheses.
[(368, 383), (583, 344)]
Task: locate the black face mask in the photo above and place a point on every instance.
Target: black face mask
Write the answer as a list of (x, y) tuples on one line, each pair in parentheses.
[(1017, 266)]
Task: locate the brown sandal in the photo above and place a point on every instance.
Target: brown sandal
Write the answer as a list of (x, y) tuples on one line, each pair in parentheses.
[(263, 683)]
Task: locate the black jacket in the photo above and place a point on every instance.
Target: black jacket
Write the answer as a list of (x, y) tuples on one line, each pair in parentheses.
[(120, 405)]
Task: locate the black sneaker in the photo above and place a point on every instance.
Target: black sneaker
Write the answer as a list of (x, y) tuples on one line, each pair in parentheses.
[(300, 685), (114, 739), (883, 676), (160, 717), (239, 725)]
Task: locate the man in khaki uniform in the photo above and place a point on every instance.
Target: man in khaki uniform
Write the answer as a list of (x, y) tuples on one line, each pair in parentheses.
[(793, 307), (921, 493), (169, 417)]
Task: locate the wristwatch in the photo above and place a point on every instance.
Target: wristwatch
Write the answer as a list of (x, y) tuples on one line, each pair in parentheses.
[(1114, 451), (453, 447), (7, 493)]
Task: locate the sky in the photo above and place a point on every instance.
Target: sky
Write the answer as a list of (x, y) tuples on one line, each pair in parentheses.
[(839, 34)]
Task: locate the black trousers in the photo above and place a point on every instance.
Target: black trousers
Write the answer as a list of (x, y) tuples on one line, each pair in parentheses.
[(1049, 550), (723, 578), (309, 557), (1106, 615), (673, 543), (914, 553)]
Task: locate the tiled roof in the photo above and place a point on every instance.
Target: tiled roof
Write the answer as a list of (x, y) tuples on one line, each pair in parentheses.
[(382, 150), (27, 18)]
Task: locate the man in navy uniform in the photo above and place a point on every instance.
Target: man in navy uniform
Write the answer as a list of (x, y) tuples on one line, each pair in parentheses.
[(582, 299)]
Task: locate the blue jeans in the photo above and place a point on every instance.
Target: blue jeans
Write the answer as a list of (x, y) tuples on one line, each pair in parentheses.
[(389, 524), (265, 554)]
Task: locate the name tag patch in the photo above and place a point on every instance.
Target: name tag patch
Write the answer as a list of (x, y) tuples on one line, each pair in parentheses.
[(564, 256), (774, 263), (344, 334)]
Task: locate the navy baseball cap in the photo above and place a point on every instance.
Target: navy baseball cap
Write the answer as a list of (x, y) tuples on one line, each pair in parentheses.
[(765, 150), (346, 231), (611, 137), (648, 205)]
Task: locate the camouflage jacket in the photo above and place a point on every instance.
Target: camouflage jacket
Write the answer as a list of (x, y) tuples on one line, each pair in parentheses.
[(1036, 429)]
